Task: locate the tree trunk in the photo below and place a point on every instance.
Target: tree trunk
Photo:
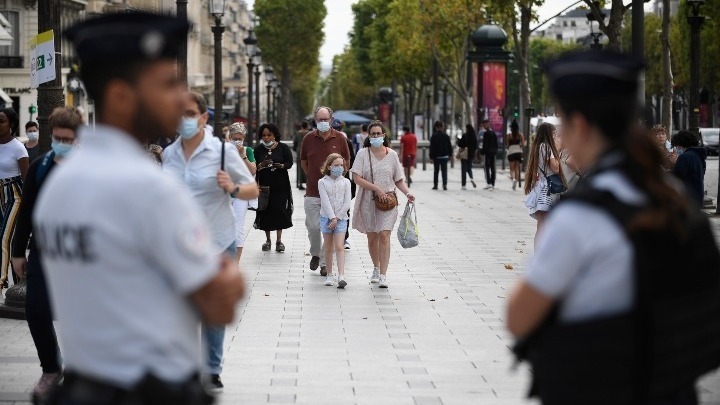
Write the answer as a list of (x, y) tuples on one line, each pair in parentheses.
[(667, 68), (524, 60), (614, 26)]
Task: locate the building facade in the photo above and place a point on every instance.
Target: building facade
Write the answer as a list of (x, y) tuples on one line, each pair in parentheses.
[(22, 25), (571, 27)]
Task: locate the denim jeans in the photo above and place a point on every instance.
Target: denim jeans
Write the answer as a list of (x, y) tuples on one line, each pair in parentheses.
[(440, 164), (466, 169), (214, 336)]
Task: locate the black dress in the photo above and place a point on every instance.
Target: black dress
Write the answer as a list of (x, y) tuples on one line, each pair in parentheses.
[(278, 214)]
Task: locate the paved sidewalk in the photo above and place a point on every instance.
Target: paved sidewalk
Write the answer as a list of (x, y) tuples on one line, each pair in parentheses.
[(436, 336)]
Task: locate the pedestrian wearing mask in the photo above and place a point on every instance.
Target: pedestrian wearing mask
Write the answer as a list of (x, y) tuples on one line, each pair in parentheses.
[(63, 123), (335, 197), (32, 130), (601, 316), (378, 172), (237, 133), (440, 153), (690, 165), (544, 161), (129, 260), (275, 160), (317, 145), (14, 164), (196, 159)]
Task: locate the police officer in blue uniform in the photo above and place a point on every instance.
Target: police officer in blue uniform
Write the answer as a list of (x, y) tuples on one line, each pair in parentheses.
[(127, 251)]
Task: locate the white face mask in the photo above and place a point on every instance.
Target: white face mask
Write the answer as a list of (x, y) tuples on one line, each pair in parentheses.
[(33, 135), (268, 144), (323, 126)]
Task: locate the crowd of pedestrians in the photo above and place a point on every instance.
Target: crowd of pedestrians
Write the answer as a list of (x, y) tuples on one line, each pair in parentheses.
[(164, 264)]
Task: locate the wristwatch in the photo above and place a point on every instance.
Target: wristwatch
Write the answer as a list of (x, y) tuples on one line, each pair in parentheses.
[(235, 191)]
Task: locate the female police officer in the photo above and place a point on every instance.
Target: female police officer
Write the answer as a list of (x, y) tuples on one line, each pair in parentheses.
[(601, 316)]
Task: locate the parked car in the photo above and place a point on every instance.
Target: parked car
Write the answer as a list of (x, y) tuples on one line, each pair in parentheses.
[(710, 139)]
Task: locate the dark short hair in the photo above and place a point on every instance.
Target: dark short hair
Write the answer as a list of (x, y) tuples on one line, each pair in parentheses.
[(273, 129), (31, 124), (13, 118), (406, 128), (304, 125), (685, 139), (96, 76), (484, 120), (376, 123), (364, 127), (200, 101), (438, 125)]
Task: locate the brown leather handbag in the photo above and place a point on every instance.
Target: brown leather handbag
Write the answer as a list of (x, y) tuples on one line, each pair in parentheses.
[(391, 201)]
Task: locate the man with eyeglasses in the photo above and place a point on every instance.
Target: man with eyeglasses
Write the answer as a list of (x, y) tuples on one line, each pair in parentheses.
[(316, 147), (63, 123)]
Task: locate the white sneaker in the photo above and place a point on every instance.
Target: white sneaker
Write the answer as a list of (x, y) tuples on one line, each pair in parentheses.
[(463, 188), (514, 184), (330, 280), (383, 281), (347, 245), (341, 282), (375, 276)]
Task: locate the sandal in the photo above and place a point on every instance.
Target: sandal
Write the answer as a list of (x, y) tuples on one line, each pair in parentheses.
[(266, 246), (279, 247)]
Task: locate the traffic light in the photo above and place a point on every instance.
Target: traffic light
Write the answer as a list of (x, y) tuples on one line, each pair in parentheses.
[(516, 112), (32, 109)]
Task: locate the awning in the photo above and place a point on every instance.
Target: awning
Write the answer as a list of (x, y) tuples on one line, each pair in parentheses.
[(5, 98)]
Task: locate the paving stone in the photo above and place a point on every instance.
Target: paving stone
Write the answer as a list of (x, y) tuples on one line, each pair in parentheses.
[(436, 336)]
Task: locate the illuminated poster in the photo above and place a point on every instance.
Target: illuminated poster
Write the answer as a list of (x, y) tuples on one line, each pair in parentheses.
[(493, 96)]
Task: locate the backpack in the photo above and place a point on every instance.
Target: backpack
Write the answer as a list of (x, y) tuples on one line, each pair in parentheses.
[(661, 346), (44, 166)]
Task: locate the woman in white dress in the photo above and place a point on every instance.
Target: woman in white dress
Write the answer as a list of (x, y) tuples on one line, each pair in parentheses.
[(240, 207), (544, 160), (377, 171)]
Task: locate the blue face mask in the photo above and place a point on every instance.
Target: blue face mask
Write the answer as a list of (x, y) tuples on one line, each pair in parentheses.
[(62, 150), (376, 142), (336, 171), (188, 127), (680, 151)]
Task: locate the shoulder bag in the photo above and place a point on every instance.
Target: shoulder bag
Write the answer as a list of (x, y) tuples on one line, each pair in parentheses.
[(391, 201)]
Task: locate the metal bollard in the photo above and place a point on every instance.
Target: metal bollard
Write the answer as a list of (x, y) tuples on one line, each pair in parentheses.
[(424, 150)]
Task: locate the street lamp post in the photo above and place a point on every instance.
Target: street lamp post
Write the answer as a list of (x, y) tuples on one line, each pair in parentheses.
[(695, 20), (217, 10), (428, 119), (257, 60), (182, 52), (596, 45), (269, 77), (250, 43)]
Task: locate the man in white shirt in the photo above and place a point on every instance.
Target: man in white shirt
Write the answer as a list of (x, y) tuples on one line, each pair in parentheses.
[(195, 159), (127, 250)]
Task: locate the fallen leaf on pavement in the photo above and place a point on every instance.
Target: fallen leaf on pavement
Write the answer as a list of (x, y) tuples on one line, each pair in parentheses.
[(509, 266)]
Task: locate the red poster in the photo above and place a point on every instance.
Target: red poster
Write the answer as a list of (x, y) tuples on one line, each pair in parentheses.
[(493, 95)]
